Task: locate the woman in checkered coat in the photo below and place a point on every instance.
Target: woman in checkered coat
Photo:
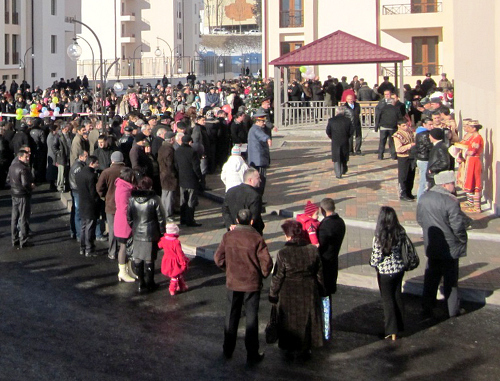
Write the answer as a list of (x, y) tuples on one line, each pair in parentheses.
[(386, 258)]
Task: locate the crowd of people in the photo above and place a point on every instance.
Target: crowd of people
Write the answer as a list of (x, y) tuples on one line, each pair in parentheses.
[(150, 160)]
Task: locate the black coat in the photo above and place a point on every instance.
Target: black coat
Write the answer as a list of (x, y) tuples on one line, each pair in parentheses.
[(439, 160), (20, 179), (331, 234), (86, 181), (146, 216), (423, 146), (243, 196), (166, 162), (238, 133), (187, 164), (339, 130), (354, 114), (62, 149)]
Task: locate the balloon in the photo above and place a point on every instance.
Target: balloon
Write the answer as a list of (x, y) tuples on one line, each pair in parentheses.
[(227, 109), (52, 105), (56, 112), (19, 111), (19, 117), (25, 111), (38, 106), (44, 109), (57, 109), (55, 100), (302, 69), (309, 70)]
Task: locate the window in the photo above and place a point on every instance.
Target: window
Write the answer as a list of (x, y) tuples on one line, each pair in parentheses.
[(424, 6), (15, 49), (53, 7), (179, 31), (7, 13), (123, 9), (15, 15), (425, 55), (291, 13), (14, 76), (53, 75), (7, 49), (53, 44), (287, 47), (5, 77)]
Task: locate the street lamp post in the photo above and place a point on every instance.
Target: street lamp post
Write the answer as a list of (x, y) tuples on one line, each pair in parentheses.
[(75, 51), (94, 101), (158, 53), (23, 63), (133, 63)]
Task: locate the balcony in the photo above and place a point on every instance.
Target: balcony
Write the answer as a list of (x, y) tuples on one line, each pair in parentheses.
[(127, 39), (130, 17), (413, 70), (291, 19), (404, 17)]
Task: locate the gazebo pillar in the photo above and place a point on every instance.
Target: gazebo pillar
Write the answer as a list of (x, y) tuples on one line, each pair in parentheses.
[(401, 77), (277, 96)]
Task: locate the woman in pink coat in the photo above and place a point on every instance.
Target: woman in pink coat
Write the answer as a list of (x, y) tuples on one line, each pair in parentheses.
[(124, 185)]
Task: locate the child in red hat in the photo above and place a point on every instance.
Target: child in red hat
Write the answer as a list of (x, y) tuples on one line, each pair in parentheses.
[(174, 263), (310, 223)]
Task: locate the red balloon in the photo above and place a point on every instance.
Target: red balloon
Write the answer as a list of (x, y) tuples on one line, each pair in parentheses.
[(38, 106)]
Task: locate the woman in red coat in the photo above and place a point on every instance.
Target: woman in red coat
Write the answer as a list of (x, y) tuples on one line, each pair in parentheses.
[(174, 262)]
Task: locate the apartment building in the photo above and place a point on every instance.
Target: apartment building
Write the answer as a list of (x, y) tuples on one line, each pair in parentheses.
[(149, 37), (229, 16), (35, 35)]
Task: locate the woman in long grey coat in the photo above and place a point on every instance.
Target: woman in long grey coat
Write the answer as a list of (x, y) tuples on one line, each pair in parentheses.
[(296, 286)]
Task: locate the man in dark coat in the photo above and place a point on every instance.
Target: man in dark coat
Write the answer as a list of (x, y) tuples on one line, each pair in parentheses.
[(21, 138), (353, 111), (187, 164), (244, 196), (339, 130), (86, 181), (168, 173), (439, 158), (331, 234), (139, 156), (244, 255), (445, 239), (387, 114), (258, 149), (21, 187), (106, 189)]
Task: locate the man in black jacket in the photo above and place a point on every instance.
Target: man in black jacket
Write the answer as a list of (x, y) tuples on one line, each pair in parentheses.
[(439, 158), (21, 186), (353, 111), (187, 164), (244, 196), (423, 146), (86, 181), (74, 219), (387, 121)]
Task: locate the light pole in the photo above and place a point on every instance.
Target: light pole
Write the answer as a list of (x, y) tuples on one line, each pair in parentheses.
[(94, 101), (75, 51), (23, 63), (158, 53), (133, 63)]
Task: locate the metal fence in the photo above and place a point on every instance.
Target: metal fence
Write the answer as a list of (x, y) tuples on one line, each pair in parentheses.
[(296, 113), (404, 9)]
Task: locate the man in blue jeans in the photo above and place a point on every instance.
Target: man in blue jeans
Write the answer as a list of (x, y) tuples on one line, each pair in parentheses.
[(423, 146), (75, 199)]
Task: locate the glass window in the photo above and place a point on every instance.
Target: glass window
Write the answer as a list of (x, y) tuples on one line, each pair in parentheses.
[(7, 49), (53, 44), (53, 7), (7, 9), (15, 49), (423, 6), (425, 55), (291, 13), (15, 15)]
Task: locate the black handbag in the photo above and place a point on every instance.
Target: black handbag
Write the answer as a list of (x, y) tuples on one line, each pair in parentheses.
[(272, 326), (408, 253)]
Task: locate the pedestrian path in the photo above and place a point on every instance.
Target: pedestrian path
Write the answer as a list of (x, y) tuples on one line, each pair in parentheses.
[(302, 170)]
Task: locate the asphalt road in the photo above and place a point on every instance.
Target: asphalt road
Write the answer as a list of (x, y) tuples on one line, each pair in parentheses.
[(65, 317)]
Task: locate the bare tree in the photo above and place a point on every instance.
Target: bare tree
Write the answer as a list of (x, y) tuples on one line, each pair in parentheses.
[(257, 12), (238, 11)]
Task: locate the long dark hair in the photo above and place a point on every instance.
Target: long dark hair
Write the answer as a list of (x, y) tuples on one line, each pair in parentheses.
[(388, 230)]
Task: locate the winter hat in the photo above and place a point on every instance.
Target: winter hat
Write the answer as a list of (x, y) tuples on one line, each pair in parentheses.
[(117, 157), (172, 228), (444, 177), (310, 208), (437, 133), (139, 137), (236, 150)]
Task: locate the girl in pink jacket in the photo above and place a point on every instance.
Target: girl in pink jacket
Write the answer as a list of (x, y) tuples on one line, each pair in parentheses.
[(174, 262)]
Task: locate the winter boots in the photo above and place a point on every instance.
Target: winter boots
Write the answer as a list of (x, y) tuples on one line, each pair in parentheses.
[(123, 275)]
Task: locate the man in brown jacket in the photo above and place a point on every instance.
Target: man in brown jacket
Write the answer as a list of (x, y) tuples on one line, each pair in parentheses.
[(168, 174), (106, 189), (243, 254)]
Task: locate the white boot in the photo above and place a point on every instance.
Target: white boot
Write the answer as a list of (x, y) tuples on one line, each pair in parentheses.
[(123, 276)]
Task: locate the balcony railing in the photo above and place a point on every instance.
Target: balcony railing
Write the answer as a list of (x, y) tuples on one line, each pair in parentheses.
[(291, 19), (413, 71), (403, 9)]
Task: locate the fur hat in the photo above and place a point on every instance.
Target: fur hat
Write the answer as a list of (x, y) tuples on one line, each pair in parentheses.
[(310, 208), (172, 228), (444, 177)]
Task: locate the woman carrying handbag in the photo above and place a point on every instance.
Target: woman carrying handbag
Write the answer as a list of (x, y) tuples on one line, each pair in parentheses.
[(387, 259)]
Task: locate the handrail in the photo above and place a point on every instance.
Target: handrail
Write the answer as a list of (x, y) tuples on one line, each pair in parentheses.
[(403, 9)]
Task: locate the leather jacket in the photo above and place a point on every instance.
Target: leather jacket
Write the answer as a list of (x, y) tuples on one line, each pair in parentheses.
[(75, 168), (439, 160), (146, 216), (423, 146), (20, 179)]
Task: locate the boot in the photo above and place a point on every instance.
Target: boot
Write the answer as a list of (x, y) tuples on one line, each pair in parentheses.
[(123, 276), (182, 284), (140, 276), (150, 276), (174, 286)]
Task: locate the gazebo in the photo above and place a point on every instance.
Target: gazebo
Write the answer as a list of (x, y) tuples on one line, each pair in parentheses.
[(334, 49)]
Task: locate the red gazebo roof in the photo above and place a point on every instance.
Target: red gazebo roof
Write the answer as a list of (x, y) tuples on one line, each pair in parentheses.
[(338, 48)]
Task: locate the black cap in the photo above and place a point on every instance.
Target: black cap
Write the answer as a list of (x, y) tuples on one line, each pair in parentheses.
[(186, 139), (139, 137)]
